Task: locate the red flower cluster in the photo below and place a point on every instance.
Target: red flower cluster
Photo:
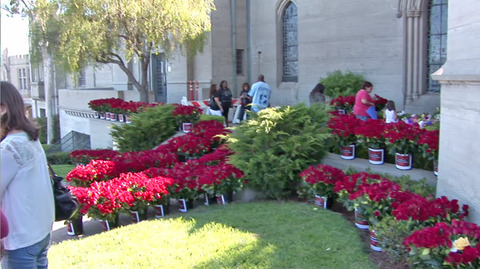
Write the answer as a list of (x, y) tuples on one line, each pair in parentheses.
[(419, 208), (142, 160), (380, 102), (84, 156), (186, 110), (372, 132), (322, 178), (130, 190), (344, 127), (440, 238), (403, 136), (117, 105), (191, 145), (96, 170), (344, 102), (429, 141)]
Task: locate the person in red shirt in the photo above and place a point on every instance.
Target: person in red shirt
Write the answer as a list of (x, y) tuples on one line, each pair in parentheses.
[(363, 101)]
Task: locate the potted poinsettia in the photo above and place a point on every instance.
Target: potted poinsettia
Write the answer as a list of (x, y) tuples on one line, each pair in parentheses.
[(186, 116), (402, 141), (318, 182), (371, 134), (455, 245), (343, 104), (428, 143), (343, 127), (95, 170)]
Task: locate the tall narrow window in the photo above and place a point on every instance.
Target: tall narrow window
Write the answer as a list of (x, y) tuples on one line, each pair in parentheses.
[(82, 82), (239, 60), (290, 43), (22, 78), (437, 47)]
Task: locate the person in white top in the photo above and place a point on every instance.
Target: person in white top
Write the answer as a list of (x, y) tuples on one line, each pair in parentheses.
[(390, 112), (26, 189)]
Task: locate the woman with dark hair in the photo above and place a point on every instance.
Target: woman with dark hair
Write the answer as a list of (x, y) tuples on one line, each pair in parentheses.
[(215, 105), (316, 95), (226, 99), (25, 186), (245, 101), (363, 101)]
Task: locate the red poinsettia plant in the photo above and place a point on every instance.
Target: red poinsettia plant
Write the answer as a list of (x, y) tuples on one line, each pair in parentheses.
[(344, 102), (145, 190), (184, 113), (320, 180), (428, 211), (117, 105), (380, 102), (142, 160), (343, 127), (454, 245), (212, 130), (96, 170), (84, 156), (220, 179), (402, 137), (371, 133), (374, 198), (189, 145), (103, 200), (428, 142)]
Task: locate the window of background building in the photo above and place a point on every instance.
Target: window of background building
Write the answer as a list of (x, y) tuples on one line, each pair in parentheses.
[(290, 43), (239, 60), (22, 78), (437, 47), (82, 82)]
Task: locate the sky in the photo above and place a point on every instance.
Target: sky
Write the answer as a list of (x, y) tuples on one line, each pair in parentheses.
[(14, 34)]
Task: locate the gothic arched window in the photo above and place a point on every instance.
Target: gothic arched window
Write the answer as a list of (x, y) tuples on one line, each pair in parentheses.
[(290, 43), (437, 39)]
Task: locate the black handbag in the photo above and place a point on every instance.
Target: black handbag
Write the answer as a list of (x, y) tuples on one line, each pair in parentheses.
[(66, 204)]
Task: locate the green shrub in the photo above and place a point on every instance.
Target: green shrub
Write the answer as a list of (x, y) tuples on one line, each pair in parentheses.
[(59, 158), (275, 145), (390, 234), (147, 130), (337, 83)]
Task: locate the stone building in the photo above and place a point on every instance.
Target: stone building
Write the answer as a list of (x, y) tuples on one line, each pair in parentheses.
[(395, 44)]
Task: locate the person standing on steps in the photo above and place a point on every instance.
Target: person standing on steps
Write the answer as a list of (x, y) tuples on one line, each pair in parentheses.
[(226, 99), (214, 103), (260, 93)]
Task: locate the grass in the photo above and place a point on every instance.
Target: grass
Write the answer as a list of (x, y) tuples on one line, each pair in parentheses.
[(62, 169), (239, 235)]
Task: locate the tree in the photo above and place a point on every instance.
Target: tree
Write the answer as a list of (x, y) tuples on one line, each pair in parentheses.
[(118, 31), (45, 28)]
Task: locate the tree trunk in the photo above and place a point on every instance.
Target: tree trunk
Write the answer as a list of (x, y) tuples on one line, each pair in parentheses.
[(49, 79)]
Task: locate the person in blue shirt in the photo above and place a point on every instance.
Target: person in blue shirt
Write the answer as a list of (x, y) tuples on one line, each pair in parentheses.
[(260, 93)]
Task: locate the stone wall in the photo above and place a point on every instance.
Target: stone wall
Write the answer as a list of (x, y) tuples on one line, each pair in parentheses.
[(459, 165)]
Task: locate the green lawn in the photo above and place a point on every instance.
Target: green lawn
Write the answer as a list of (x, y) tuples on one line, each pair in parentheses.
[(239, 235), (62, 169)]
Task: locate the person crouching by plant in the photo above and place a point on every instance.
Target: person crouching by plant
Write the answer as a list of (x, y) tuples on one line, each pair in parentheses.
[(364, 103), (390, 112), (214, 103)]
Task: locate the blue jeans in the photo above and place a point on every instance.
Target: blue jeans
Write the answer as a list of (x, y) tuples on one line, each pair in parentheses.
[(34, 256), (364, 118)]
